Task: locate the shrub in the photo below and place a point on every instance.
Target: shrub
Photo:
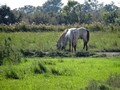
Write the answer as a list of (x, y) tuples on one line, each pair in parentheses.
[(25, 27), (56, 53), (55, 71), (9, 53), (40, 68), (34, 53), (11, 74), (95, 85), (114, 81), (61, 71), (84, 54)]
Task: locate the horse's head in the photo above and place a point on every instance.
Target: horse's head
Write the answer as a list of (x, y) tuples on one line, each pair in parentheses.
[(58, 45)]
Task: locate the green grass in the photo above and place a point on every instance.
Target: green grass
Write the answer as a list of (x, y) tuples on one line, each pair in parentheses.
[(105, 41), (46, 41), (32, 41), (58, 73)]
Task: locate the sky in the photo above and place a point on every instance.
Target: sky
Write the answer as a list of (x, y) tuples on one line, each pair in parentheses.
[(20, 3)]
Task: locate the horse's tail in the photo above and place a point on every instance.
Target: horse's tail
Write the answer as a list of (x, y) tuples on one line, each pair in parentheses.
[(88, 35)]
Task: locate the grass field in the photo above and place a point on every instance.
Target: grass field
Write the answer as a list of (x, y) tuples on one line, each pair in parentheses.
[(58, 73), (46, 41)]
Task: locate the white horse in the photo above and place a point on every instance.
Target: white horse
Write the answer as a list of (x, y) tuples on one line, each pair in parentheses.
[(73, 34), (61, 40), (70, 36)]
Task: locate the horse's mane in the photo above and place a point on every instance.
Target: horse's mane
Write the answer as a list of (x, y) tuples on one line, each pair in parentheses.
[(62, 36)]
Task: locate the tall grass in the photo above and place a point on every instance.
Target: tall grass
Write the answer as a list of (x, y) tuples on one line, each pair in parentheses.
[(25, 27), (32, 41), (46, 41), (105, 41)]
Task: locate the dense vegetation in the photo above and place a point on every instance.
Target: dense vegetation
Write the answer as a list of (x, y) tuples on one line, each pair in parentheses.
[(24, 27), (53, 12)]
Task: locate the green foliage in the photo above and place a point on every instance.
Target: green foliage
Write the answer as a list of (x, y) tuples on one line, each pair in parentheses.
[(52, 12), (55, 71), (51, 6), (7, 16), (24, 27), (84, 54), (11, 74), (40, 68), (9, 53), (94, 85), (113, 83), (61, 71), (33, 53), (57, 53)]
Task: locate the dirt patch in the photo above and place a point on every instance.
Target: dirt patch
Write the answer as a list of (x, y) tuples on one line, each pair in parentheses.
[(108, 53)]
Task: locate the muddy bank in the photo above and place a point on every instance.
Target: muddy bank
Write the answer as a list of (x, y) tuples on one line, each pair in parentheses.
[(108, 53)]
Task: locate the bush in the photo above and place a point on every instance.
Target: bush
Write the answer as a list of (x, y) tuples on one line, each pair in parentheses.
[(9, 54), (84, 54), (11, 74), (113, 83), (40, 68), (55, 71), (33, 53), (61, 71), (57, 53), (25, 27), (94, 85)]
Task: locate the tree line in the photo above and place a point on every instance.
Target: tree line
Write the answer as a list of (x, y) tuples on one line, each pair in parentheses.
[(53, 12)]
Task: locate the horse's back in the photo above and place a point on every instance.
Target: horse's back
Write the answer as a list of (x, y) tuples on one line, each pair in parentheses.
[(70, 31), (84, 33), (82, 30)]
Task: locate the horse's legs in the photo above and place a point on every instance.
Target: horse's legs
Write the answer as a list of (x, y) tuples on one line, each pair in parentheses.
[(75, 48), (72, 46), (86, 46), (69, 45)]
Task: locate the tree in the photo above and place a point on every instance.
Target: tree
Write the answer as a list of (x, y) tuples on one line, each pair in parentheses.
[(52, 6), (28, 9), (71, 12), (7, 16), (110, 13)]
